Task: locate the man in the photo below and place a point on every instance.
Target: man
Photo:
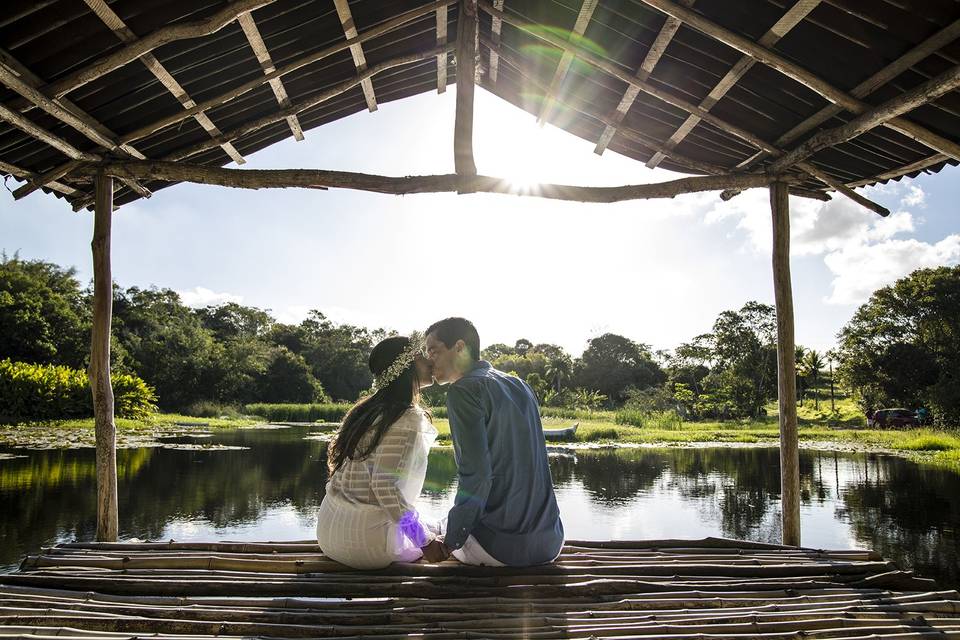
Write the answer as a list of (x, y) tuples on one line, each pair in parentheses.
[(505, 512)]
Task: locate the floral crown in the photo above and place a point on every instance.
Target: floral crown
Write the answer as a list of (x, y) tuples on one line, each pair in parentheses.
[(417, 345)]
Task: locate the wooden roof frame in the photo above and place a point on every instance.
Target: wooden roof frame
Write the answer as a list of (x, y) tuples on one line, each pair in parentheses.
[(797, 161)]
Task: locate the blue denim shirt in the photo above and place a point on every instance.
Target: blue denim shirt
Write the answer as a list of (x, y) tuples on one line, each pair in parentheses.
[(505, 496)]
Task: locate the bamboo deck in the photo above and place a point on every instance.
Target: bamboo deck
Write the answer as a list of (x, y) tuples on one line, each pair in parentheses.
[(682, 589)]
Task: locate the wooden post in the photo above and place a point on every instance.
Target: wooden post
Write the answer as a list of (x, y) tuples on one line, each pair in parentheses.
[(786, 365), (106, 432), (466, 68)]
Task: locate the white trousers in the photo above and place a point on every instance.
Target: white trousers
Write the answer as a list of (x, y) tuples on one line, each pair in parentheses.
[(472, 553)]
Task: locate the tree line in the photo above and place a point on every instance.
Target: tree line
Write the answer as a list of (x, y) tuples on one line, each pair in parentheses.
[(901, 347)]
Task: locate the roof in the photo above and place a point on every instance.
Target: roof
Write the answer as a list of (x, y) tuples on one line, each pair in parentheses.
[(867, 51)]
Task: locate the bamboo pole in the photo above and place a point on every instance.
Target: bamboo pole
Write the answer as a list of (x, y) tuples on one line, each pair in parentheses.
[(467, 31), (786, 366), (321, 179), (99, 373)]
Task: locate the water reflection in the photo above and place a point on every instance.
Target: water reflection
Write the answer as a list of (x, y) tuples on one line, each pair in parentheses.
[(271, 490)]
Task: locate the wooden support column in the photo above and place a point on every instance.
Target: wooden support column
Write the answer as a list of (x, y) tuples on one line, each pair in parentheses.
[(467, 24), (786, 366), (99, 372)]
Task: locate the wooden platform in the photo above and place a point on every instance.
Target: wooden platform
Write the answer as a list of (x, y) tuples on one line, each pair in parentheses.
[(710, 588)]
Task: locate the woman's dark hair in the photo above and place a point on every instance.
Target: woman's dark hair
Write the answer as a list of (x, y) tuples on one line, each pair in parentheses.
[(376, 412)]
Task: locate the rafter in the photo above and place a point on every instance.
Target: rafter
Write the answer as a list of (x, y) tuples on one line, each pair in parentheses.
[(496, 25), (356, 50), (30, 128), (788, 21), (120, 29), (656, 51), (22, 174), (468, 28), (16, 76), (441, 40), (250, 30), (403, 185), (579, 28), (791, 70), (923, 50), (919, 165)]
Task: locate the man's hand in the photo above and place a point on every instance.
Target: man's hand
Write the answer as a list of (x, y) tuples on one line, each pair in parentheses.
[(435, 551)]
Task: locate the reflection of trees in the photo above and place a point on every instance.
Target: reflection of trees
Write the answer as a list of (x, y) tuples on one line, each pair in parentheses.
[(157, 486), (908, 513), (613, 477)]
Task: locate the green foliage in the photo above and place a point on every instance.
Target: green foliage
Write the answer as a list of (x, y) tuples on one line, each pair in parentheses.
[(931, 442), (612, 364), (637, 417), (43, 312), (319, 412), (901, 349), (30, 392)]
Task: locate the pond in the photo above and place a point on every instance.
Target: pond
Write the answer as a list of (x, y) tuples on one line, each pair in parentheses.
[(269, 484)]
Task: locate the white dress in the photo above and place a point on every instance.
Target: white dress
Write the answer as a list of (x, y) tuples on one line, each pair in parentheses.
[(367, 518)]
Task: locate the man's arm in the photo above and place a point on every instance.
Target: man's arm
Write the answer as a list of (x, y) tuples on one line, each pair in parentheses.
[(468, 429)]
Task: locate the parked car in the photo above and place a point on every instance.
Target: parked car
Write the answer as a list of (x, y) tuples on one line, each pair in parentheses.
[(893, 418)]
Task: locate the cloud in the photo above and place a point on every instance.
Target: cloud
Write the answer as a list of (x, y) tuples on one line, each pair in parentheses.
[(860, 249), (203, 297), (915, 197), (861, 269)]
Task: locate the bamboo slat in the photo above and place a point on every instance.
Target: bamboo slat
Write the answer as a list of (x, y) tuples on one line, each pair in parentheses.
[(684, 589)]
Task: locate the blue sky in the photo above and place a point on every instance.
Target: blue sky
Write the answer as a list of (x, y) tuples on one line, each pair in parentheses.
[(656, 271)]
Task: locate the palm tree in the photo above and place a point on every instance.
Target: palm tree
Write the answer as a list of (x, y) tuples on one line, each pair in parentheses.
[(798, 359), (813, 364), (557, 371)]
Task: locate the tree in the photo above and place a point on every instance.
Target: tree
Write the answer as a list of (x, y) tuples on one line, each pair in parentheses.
[(287, 378), (902, 347), (745, 358), (44, 315), (612, 364), (812, 366)]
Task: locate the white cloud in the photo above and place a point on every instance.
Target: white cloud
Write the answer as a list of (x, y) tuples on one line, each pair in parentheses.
[(862, 268), (860, 249), (915, 197), (203, 297), (292, 314)]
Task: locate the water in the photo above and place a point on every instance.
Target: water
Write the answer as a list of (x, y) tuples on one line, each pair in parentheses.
[(271, 490)]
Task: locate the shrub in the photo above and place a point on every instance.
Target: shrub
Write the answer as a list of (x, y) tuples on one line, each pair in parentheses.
[(323, 412), (211, 409), (650, 419), (53, 392)]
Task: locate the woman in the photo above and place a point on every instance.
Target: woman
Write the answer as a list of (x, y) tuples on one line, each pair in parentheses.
[(378, 462)]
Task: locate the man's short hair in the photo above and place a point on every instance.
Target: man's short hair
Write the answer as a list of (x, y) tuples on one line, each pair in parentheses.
[(449, 330)]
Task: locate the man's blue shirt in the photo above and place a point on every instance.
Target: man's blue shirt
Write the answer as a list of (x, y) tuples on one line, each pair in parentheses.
[(505, 498)]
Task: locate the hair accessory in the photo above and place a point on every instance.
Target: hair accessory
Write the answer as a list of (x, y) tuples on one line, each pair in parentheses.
[(405, 359)]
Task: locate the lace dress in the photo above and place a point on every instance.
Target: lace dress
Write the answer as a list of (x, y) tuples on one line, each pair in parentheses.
[(367, 518)]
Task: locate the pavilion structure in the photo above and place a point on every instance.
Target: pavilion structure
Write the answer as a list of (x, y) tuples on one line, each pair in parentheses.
[(102, 103)]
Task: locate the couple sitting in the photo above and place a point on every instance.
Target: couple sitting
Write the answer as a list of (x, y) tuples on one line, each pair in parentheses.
[(505, 512)]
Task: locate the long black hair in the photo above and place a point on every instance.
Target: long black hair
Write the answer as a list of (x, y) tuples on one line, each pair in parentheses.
[(378, 411)]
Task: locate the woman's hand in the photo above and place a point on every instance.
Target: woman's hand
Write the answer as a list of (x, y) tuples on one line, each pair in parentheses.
[(435, 551)]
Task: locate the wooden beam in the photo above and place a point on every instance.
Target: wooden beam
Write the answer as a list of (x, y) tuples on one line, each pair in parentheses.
[(307, 103), (27, 126), (496, 25), (99, 371), (786, 366), (321, 179), (907, 101), (788, 21), (923, 50), (587, 8), (250, 30), (356, 50), (656, 51), (467, 31), (120, 29), (136, 48), (19, 78), (893, 174), (442, 40), (823, 177), (236, 92), (22, 174), (801, 75)]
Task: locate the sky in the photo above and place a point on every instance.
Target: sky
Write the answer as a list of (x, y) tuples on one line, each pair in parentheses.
[(656, 271)]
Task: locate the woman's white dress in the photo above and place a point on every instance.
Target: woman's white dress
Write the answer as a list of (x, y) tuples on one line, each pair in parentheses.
[(368, 517)]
